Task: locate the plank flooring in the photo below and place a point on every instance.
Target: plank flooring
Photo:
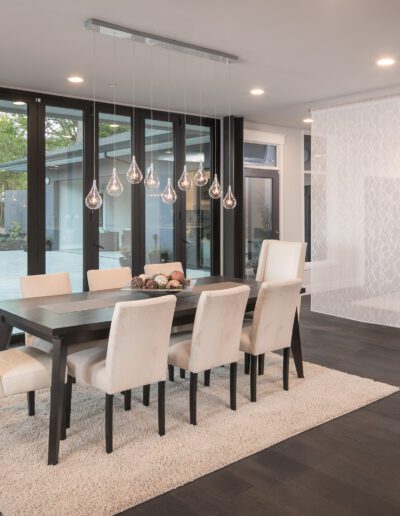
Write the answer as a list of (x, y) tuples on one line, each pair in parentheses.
[(349, 466)]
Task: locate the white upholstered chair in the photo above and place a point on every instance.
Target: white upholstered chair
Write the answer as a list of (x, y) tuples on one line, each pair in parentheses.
[(280, 260), (136, 355), (108, 279), (162, 268), (42, 285), (25, 369), (215, 339), (272, 326)]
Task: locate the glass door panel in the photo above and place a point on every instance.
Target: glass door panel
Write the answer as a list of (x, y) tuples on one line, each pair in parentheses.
[(64, 199), (261, 210), (198, 203), (159, 217), (115, 232), (13, 196)]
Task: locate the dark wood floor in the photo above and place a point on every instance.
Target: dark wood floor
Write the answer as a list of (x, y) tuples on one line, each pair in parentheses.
[(348, 466)]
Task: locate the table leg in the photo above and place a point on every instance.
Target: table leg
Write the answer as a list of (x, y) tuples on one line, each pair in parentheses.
[(5, 335), (296, 347), (56, 399)]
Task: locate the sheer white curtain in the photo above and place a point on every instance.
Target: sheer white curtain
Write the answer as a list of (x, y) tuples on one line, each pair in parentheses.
[(355, 206)]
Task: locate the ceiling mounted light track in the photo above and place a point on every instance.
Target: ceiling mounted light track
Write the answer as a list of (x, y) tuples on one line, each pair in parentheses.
[(117, 31)]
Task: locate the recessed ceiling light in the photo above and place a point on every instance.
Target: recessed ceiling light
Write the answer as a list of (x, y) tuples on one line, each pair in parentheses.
[(386, 61), (257, 91), (308, 120), (114, 125), (75, 79), (19, 103)]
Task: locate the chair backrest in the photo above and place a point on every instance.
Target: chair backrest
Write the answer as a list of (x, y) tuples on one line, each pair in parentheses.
[(163, 268), (217, 328), (280, 260), (108, 279), (137, 352), (274, 315), (41, 285)]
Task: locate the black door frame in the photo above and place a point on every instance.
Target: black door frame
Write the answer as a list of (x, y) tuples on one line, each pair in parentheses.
[(36, 102)]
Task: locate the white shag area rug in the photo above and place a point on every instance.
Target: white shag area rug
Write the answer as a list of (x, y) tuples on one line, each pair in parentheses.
[(143, 465)]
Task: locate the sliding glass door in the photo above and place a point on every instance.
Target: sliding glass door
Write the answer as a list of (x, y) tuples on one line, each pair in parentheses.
[(198, 202), (13, 195), (115, 232), (159, 217), (64, 140)]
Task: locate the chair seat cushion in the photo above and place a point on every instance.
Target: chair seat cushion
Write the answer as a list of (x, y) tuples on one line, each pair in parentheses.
[(179, 352), (89, 366), (245, 342), (24, 369)]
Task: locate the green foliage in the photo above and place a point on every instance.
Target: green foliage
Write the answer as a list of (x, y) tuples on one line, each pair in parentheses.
[(16, 231)]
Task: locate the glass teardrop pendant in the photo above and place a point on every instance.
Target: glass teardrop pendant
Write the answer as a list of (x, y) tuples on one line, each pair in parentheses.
[(151, 180), (114, 186), (229, 201), (215, 190), (169, 195), (134, 174), (93, 199), (185, 183), (200, 178)]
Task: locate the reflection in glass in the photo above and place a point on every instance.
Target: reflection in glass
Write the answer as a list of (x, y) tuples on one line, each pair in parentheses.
[(198, 203), (259, 154), (64, 198), (115, 214), (13, 197), (159, 216), (258, 219)]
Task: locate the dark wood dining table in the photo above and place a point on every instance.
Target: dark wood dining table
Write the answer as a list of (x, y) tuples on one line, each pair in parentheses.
[(64, 327)]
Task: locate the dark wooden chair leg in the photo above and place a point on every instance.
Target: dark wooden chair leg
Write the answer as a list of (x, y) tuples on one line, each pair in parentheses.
[(171, 371), (68, 390), (296, 347), (128, 399), (246, 363), (261, 362), (286, 355), (233, 383), (109, 422), (207, 375), (253, 378), (193, 398), (182, 373), (161, 408), (146, 395), (31, 402), (64, 417)]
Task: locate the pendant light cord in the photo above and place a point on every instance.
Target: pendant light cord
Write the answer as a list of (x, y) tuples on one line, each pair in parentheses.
[(115, 87), (229, 125), (169, 105), (215, 118), (94, 105), (133, 80), (201, 105), (151, 104)]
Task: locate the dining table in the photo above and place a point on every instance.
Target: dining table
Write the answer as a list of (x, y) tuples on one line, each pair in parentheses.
[(64, 320)]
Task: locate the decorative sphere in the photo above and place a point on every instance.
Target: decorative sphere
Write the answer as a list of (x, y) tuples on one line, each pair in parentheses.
[(137, 282), (161, 280), (178, 276), (151, 284), (174, 284)]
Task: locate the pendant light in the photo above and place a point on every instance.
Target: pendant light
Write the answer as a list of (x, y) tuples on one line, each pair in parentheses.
[(151, 180), (185, 182), (134, 174), (215, 190), (200, 177), (93, 199), (229, 202), (114, 186), (169, 195)]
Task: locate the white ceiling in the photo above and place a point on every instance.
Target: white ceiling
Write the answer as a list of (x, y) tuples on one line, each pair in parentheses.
[(304, 53)]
